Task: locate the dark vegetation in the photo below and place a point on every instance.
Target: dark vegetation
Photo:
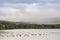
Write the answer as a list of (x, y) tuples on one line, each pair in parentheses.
[(14, 25)]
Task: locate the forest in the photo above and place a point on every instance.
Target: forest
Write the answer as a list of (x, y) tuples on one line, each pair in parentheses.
[(14, 25)]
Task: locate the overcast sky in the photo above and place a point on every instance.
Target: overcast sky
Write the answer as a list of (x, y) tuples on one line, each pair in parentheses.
[(39, 11)]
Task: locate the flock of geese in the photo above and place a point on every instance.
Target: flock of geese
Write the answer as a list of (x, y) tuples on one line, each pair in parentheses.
[(27, 34)]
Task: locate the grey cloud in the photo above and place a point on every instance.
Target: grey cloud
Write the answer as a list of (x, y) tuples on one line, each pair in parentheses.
[(30, 13), (29, 1), (55, 20)]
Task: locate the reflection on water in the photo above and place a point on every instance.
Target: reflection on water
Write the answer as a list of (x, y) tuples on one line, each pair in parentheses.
[(30, 34)]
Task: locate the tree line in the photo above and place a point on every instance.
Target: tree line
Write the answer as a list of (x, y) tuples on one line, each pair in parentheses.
[(9, 25)]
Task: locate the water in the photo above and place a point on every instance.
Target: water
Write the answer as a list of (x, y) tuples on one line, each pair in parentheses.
[(30, 34)]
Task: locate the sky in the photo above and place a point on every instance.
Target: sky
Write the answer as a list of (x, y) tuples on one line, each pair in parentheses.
[(35, 11)]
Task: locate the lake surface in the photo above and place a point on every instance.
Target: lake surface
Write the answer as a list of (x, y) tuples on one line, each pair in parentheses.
[(30, 34)]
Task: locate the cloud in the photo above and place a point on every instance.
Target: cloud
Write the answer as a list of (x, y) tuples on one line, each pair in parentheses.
[(29, 1), (33, 12)]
